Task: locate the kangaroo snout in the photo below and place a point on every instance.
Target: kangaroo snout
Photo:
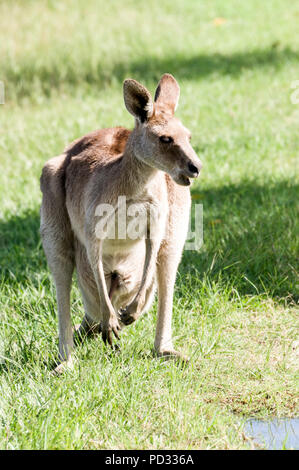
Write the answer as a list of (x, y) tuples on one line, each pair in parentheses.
[(191, 169), (194, 169)]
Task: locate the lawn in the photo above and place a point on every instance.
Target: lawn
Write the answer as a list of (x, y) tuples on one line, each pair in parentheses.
[(236, 300)]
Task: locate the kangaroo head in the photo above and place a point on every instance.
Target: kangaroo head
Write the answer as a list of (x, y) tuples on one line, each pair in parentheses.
[(159, 139)]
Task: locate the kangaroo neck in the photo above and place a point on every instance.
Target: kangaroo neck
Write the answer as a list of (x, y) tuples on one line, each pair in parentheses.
[(136, 174)]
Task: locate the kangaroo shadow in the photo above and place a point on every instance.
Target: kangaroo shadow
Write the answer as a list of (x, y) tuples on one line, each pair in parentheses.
[(250, 241)]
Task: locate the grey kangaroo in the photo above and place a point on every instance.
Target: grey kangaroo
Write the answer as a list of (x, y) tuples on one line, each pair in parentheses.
[(151, 166)]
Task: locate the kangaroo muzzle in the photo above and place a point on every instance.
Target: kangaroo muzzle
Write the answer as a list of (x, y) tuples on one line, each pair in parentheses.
[(191, 170)]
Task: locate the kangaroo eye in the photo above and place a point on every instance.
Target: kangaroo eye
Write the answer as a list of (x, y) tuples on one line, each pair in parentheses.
[(166, 139)]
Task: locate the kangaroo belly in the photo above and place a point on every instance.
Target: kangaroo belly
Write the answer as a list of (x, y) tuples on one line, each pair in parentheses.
[(123, 263)]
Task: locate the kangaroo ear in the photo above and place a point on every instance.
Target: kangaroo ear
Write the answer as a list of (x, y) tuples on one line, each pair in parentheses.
[(138, 100), (168, 92)]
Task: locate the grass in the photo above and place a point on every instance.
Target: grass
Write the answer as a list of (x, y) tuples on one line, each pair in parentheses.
[(236, 301)]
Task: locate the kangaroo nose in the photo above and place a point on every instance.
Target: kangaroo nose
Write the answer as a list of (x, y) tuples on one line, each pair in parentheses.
[(193, 169)]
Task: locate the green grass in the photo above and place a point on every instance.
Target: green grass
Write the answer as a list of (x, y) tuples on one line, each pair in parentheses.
[(235, 306)]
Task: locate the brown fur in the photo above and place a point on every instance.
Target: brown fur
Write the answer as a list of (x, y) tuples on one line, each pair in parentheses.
[(150, 165)]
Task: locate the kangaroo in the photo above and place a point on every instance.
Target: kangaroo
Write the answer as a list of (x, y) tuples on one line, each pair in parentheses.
[(151, 166)]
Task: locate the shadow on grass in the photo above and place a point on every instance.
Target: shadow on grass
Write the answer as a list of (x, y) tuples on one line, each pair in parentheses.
[(48, 75), (21, 252), (250, 240), (201, 65)]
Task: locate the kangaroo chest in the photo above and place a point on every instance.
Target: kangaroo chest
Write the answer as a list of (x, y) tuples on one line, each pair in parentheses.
[(128, 225)]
